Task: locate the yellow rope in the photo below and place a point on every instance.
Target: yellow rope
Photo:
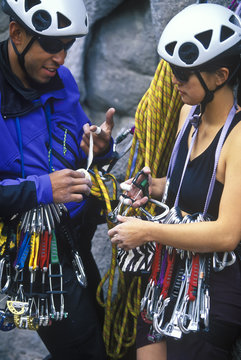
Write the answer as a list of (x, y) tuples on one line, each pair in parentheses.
[(117, 334), (155, 129), (156, 124)]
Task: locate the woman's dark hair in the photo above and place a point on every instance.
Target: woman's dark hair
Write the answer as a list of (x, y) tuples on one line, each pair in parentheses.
[(233, 64)]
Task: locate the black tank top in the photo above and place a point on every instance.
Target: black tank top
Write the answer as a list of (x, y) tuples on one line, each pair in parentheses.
[(197, 177)]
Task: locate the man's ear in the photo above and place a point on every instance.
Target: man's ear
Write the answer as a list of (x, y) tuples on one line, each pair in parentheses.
[(222, 75), (16, 33)]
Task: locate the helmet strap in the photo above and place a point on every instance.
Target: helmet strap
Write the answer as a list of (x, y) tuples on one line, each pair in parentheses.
[(209, 94), (22, 55)]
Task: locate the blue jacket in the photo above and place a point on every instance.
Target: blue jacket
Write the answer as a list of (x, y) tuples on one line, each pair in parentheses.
[(45, 139)]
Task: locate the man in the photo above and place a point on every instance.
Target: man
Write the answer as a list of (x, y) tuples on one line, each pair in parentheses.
[(44, 139)]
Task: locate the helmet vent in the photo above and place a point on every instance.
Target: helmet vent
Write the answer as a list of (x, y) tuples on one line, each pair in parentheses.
[(226, 33), (205, 38), (31, 3), (63, 21), (170, 47), (188, 53), (233, 19), (41, 20)]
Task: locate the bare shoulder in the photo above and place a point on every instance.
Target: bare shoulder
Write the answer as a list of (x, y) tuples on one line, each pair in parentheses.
[(183, 115), (233, 141)]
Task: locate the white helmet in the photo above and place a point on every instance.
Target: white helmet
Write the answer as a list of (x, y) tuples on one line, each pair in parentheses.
[(199, 34), (64, 18)]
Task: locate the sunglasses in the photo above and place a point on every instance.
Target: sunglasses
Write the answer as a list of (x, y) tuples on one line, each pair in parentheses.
[(54, 45), (181, 74)]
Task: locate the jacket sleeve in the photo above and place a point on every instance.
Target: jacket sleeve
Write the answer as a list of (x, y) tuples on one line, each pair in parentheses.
[(16, 198), (24, 194)]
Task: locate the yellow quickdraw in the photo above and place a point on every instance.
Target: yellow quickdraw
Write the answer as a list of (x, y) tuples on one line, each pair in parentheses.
[(34, 249)]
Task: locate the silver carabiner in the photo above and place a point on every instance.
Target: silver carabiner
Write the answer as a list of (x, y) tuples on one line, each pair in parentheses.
[(8, 274), (219, 265), (156, 218), (146, 296), (158, 316), (79, 269), (55, 314)]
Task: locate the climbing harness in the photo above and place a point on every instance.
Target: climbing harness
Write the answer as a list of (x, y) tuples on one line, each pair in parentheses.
[(185, 306)]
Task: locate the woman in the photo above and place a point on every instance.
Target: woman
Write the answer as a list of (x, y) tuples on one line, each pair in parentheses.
[(202, 44)]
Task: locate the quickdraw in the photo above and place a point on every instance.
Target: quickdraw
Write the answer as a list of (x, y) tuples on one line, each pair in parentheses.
[(31, 274), (56, 274)]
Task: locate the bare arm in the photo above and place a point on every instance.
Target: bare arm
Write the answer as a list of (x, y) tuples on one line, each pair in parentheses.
[(223, 234), (157, 189)]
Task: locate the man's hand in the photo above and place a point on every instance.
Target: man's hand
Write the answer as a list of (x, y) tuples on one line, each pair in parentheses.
[(101, 140), (69, 185)]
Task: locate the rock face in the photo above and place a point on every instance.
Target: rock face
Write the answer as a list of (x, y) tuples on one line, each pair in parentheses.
[(113, 67)]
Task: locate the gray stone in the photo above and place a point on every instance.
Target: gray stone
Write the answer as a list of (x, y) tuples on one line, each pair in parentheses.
[(98, 9), (112, 50), (4, 21), (21, 345)]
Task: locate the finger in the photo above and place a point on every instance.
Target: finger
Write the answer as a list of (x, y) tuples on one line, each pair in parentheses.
[(115, 239), (77, 181), (84, 145), (85, 173), (123, 219), (109, 118), (146, 170), (125, 201), (140, 202), (112, 232), (81, 189), (77, 174), (125, 186), (97, 130), (86, 128), (85, 183), (76, 198), (82, 174)]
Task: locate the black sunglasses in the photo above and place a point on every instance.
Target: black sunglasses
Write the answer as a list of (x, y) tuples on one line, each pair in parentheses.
[(181, 74), (54, 45)]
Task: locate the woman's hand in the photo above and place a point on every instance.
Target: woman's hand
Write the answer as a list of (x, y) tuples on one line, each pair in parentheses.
[(129, 233), (135, 196)]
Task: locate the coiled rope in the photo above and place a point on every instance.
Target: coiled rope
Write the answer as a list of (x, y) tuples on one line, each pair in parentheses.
[(156, 123)]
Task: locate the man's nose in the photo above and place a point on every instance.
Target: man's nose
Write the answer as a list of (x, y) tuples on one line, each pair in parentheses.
[(59, 57)]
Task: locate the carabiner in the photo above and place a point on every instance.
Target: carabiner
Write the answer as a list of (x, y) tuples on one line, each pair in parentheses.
[(146, 296), (158, 316), (219, 265), (79, 268), (56, 315), (8, 274), (156, 218)]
